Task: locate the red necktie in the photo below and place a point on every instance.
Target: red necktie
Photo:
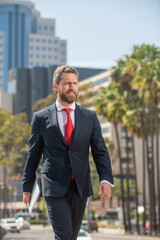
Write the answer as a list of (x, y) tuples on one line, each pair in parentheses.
[(68, 129)]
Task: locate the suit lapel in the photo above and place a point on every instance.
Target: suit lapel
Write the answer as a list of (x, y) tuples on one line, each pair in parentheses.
[(78, 122), (52, 117)]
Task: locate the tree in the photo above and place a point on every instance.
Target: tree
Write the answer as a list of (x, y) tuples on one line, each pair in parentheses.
[(110, 105), (14, 133)]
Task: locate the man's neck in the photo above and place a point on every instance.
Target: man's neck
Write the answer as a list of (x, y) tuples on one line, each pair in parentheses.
[(65, 104)]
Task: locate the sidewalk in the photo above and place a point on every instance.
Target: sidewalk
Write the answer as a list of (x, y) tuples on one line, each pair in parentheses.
[(120, 234), (103, 233)]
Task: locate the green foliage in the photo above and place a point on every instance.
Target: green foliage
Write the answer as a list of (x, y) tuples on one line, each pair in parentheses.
[(42, 207), (14, 134)]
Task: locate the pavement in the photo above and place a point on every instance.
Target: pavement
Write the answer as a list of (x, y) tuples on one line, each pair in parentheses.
[(105, 233)]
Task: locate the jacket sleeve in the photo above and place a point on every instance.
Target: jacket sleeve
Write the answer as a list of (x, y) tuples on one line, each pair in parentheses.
[(33, 156), (100, 152)]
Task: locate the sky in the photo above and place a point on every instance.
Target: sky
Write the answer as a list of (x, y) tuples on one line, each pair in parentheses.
[(99, 32)]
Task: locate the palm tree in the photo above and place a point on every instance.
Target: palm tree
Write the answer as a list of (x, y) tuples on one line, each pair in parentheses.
[(110, 105), (145, 63)]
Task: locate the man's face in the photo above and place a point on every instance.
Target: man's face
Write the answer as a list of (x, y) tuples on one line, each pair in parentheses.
[(67, 88)]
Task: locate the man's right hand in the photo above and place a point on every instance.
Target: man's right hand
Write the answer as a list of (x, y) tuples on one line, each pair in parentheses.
[(27, 198)]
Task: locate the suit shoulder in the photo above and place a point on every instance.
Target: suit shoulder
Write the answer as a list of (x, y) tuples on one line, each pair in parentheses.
[(42, 112), (87, 111)]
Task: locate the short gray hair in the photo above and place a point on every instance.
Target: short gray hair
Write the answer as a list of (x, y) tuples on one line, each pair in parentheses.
[(63, 69)]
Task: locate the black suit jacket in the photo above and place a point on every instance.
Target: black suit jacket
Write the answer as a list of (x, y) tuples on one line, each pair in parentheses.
[(59, 160)]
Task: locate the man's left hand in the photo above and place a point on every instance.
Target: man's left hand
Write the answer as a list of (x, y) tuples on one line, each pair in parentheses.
[(105, 191)]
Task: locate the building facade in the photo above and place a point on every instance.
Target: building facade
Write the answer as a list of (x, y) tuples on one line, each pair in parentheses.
[(26, 39), (29, 85)]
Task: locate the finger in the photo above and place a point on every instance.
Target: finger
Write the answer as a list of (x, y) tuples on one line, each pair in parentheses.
[(100, 190)]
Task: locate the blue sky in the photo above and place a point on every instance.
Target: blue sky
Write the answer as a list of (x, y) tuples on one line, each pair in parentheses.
[(99, 32)]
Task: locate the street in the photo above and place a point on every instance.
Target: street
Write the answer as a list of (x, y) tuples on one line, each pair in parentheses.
[(41, 233)]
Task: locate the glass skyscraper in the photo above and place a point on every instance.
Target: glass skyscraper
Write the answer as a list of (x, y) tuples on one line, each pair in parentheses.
[(26, 39)]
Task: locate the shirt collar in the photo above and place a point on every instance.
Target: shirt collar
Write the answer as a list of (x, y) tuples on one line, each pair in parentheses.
[(60, 106)]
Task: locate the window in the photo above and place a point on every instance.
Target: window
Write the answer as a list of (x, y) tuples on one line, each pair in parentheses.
[(49, 41), (37, 64), (55, 41), (37, 48), (63, 52), (37, 40), (105, 130), (1, 44), (37, 55), (63, 45), (56, 49), (55, 57), (43, 64), (31, 63), (1, 37), (0, 69), (49, 57), (43, 56), (31, 55), (49, 49), (0, 60), (0, 77), (39, 27), (63, 61), (43, 48), (46, 27), (51, 28), (31, 39), (43, 40), (31, 47)]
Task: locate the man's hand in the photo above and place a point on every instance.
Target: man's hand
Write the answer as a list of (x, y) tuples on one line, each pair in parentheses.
[(105, 191), (27, 198)]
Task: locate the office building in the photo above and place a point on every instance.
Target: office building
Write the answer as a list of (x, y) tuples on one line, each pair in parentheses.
[(26, 39), (29, 85)]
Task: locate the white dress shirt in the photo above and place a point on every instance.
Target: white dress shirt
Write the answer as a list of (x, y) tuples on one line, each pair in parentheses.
[(61, 115)]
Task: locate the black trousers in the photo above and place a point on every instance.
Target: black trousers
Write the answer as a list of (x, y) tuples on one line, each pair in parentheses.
[(66, 213)]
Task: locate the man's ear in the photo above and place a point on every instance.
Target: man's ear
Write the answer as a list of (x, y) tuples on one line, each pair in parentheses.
[(55, 86)]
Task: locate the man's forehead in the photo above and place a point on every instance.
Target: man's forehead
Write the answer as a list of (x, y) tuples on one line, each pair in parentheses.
[(69, 76)]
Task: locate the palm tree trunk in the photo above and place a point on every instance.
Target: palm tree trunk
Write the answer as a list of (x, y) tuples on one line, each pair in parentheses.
[(127, 177), (121, 176), (4, 192), (144, 188), (136, 184), (157, 161), (153, 174), (148, 167)]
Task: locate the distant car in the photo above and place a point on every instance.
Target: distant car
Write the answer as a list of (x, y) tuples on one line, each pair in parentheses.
[(10, 224), (2, 232), (26, 225), (83, 235), (93, 226)]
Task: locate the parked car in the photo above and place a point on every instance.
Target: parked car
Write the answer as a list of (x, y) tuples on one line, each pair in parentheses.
[(93, 226), (24, 224), (83, 235), (10, 224), (2, 232)]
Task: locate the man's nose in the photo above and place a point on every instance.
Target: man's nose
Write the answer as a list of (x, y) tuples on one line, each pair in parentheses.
[(71, 86)]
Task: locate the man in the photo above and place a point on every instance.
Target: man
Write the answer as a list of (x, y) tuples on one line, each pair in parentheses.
[(63, 133)]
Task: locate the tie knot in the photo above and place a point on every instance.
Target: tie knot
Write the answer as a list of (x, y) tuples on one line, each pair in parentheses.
[(67, 110)]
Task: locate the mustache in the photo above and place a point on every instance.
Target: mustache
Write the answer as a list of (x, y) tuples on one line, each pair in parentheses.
[(69, 91)]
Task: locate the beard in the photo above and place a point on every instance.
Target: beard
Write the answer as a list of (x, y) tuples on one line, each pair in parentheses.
[(67, 98)]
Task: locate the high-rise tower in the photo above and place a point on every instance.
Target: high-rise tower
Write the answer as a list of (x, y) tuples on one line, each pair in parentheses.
[(26, 39)]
